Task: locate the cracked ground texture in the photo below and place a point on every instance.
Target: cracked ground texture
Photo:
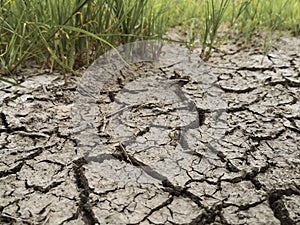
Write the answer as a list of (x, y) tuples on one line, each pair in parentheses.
[(164, 155)]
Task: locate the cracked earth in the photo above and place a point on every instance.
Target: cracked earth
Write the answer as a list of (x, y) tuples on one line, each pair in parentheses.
[(168, 142)]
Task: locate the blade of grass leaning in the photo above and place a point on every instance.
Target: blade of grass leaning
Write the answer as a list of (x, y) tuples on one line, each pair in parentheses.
[(54, 56), (76, 29), (10, 82)]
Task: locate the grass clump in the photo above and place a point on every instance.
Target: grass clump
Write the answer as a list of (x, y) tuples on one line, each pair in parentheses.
[(71, 33), (202, 19)]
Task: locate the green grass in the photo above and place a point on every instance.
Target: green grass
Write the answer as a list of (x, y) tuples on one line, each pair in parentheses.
[(71, 33), (201, 19), (68, 34)]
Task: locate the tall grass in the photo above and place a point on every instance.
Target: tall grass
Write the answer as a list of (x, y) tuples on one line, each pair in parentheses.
[(214, 16), (201, 19), (68, 34), (71, 33)]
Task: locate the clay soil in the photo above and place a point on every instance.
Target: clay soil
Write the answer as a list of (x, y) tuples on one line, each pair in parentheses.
[(157, 144)]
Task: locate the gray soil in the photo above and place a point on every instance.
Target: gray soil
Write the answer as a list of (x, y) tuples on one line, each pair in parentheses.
[(157, 143)]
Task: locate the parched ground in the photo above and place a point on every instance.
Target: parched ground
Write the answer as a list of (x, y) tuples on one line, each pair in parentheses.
[(173, 143)]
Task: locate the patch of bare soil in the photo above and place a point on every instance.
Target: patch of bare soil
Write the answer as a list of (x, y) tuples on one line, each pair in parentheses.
[(170, 144)]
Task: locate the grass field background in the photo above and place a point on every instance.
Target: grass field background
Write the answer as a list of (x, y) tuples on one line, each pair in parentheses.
[(69, 34)]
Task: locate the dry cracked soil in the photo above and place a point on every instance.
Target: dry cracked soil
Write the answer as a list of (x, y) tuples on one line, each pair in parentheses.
[(176, 141)]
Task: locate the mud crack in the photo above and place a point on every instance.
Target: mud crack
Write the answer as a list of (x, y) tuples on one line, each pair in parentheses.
[(277, 205), (84, 209)]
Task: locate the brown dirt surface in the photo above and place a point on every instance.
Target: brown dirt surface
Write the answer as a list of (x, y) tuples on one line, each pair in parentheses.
[(175, 141)]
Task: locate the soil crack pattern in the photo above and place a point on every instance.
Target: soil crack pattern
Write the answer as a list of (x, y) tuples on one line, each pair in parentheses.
[(161, 139)]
